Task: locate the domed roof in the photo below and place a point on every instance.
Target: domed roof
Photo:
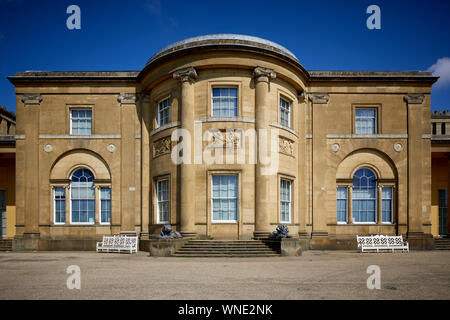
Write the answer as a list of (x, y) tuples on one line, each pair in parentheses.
[(223, 39)]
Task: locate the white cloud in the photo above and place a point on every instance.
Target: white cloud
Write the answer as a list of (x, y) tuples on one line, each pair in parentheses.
[(442, 69)]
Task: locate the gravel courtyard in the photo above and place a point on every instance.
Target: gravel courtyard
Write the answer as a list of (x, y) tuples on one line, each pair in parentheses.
[(315, 275)]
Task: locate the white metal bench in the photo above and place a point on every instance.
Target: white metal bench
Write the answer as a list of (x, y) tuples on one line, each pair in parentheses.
[(381, 242), (119, 243)]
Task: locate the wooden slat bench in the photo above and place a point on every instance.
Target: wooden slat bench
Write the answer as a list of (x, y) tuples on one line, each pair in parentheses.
[(119, 243), (381, 242)]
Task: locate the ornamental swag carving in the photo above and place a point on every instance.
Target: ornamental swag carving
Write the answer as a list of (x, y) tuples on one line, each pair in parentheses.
[(162, 146)]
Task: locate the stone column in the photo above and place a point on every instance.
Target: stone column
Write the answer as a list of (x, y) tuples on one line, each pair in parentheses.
[(415, 170), (30, 165), (263, 192), (320, 166), (127, 163), (187, 77), (145, 164)]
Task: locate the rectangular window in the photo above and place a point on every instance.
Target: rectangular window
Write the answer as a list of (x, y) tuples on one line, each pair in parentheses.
[(386, 204), (285, 201), (59, 205), (224, 198), (443, 194), (163, 112), (81, 122), (285, 112), (365, 121), (105, 205), (224, 102), (162, 197), (433, 130), (341, 202)]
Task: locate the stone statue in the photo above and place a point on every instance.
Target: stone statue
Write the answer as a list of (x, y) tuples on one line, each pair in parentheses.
[(167, 233), (281, 232)]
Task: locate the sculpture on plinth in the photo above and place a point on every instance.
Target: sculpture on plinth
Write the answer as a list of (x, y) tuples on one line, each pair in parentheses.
[(167, 233), (282, 231)]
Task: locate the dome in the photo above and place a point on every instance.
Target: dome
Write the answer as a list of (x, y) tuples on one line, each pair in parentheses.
[(232, 40)]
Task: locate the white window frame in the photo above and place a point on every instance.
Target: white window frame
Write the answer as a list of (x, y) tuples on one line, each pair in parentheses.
[(392, 205), (54, 205), (290, 201), (375, 120), (158, 118), (70, 121), (376, 202), (158, 221), (346, 207), (237, 198), (70, 202), (212, 100), (100, 204), (288, 110)]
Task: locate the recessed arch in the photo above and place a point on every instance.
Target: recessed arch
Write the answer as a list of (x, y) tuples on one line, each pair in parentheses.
[(379, 162), (68, 162)]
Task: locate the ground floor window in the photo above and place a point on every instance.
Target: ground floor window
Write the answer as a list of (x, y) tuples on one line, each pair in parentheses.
[(386, 204), (364, 196), (341, 199), (443, 194), (105, 205), (59, 204), (285, 201), (225, 198), (162, 198), (82, 196)]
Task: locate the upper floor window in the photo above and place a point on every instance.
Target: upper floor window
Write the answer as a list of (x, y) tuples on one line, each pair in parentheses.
[(366, 121), (81, 122), (225, 102), (285, 112), (163, 112)]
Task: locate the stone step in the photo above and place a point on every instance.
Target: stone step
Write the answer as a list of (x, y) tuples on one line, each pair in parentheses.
[(226, 248), (243, 255)]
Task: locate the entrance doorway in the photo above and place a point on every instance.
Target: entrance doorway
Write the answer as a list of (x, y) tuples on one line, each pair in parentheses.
[(2, 214), (443, 194)]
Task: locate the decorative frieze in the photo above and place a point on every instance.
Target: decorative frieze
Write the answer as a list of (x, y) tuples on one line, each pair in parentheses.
[(188, 74), (162, 146), (226, 139), (263, 74), (414, 98), (31, 98), (127, 98), (319, 98), (286, 146)]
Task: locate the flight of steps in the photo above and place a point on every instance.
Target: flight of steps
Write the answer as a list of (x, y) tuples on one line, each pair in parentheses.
[(442, 244), (6, 244), (228, 248)]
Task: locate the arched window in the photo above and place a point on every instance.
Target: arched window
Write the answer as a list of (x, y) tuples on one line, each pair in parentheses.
[(364, 196), (82, 195)]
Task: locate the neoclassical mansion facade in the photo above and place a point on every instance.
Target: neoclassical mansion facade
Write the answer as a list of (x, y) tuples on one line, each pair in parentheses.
[(99, 152)]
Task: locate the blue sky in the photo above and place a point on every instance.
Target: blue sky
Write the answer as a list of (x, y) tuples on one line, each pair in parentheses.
[(324, 35)]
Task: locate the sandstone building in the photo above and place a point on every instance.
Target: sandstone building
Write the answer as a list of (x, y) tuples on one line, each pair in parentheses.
[(95, 149)]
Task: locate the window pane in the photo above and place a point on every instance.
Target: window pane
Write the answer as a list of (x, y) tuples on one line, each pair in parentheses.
[(341, 198), (225, 102), (225, 197), (365, 121), (364, 196)]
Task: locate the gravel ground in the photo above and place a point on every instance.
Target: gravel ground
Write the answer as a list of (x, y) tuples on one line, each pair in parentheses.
[(315, 275)]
